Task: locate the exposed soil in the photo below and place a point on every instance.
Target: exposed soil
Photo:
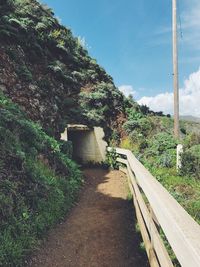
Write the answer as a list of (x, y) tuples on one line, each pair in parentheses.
[(99, 231)]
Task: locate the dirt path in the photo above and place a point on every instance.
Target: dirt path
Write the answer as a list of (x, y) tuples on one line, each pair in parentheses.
[(99, 232)]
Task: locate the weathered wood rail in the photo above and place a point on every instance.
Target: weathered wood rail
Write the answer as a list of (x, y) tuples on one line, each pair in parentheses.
[(159, 210)]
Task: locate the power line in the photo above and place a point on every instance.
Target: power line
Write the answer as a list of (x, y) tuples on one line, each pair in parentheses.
[(179, 18)]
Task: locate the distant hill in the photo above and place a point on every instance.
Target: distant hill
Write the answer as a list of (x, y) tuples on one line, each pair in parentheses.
[(190, 118), (191, 124)]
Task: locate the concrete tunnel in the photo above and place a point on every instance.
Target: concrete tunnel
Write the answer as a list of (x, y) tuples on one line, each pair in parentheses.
[(88, 143)]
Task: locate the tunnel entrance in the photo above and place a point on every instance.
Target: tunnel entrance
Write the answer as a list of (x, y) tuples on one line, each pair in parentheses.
[(88, 143)]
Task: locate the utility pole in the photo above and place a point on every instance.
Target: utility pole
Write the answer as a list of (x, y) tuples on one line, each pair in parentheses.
[(175, 69)]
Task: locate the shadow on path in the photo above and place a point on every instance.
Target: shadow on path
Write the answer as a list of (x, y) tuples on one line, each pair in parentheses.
[(99, 231)]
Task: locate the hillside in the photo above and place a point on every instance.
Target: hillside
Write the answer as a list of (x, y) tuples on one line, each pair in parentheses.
[(190, 118), (38, 183), (43, 69), (47, 79), (49, 73)]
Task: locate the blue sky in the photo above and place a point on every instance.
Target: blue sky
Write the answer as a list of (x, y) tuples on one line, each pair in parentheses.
[(132, 39)]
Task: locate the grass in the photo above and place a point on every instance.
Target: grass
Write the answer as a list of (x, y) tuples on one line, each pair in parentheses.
[(186, 190), (129, 195), (159, 157)]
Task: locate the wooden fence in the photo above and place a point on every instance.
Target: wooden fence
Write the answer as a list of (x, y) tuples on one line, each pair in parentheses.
[(156, 209)]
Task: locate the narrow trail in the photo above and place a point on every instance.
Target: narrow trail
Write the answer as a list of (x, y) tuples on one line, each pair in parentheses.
[(99, 231)]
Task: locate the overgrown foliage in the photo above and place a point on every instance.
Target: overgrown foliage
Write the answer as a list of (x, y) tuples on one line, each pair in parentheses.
[(191, 161), (38, 183), (102, 105), (191, 156), (50, 67), (111, 159), (153, 143)]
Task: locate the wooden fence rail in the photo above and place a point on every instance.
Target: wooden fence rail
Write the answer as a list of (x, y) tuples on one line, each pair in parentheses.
[(159, 210)]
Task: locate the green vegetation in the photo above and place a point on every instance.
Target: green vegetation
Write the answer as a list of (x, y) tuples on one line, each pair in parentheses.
[(49, 74), (111, 159), (151, 140), (102, 106), (191, 161), (51, 68), (38, 183), (191, 155)]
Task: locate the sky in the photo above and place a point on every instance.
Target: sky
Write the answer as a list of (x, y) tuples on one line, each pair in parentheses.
[(132, 40)]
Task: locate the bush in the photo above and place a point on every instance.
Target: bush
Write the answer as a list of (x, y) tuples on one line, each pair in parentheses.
[(130, 126), (38, 183), (101, 104), (167, 159), (191, 162), (111, 159), (191, 140), (141, 125), (160, 151), (162, 142), (114, 139)]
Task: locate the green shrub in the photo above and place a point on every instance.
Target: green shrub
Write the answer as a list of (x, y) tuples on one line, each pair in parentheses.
[(130, 126), (101, 104), (140, 125), (191, 162), (38, 183), (167, 159), (192, 139), (114, 139), (160, 151), (111, 159), (162, 142)]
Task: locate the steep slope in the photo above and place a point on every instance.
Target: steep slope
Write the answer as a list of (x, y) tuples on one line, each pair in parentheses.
[(38, 183), (44, 68)]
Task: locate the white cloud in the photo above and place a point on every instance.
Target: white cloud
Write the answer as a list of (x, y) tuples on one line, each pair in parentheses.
[(189, 98), (127, 90)]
